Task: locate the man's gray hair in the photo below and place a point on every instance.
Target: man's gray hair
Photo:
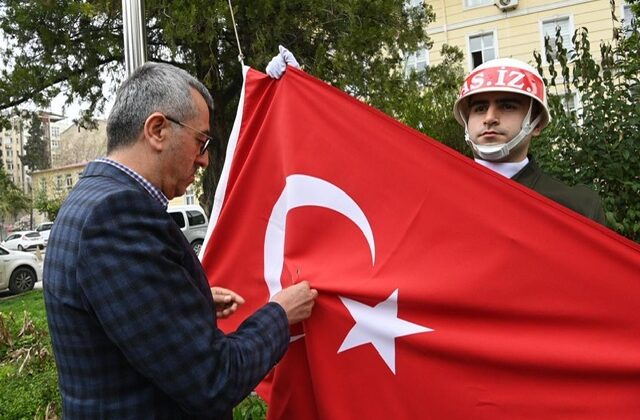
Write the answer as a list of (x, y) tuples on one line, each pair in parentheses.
[(153, 87)]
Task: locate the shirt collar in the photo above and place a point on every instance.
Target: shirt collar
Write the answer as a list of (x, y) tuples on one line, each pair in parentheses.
[(148, 186), (506, 169)]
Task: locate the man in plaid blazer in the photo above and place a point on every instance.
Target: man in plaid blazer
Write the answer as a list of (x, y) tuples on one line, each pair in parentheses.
[(131, 316)]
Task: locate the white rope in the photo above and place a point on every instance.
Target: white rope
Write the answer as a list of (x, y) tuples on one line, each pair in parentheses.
[(235, 29)]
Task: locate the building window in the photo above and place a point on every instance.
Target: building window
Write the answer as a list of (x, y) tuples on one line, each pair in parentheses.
[(59, 182), (417, 62), (190, 197), (481, 48), (550, 29), (475, 3), (69, 181), (55, 131), (628, 20), (571, 103), (43, 184), (572, 106)]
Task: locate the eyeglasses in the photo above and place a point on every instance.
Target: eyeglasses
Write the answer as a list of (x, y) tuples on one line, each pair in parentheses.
[(204, 144)]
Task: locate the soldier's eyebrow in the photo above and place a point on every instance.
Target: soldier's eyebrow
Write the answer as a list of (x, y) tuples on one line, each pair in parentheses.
[(507, 99), (473, 102)]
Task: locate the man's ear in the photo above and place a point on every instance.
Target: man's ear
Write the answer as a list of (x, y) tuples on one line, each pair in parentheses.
[(156, 131), (536, 131)]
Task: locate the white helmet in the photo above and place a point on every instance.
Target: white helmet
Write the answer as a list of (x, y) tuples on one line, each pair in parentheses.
[(503, 75)]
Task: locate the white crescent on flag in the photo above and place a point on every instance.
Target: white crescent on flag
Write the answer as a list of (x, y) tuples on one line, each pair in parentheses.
[(299, 191)]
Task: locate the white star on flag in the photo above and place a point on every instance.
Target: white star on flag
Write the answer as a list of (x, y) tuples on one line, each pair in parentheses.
[(378, 325)]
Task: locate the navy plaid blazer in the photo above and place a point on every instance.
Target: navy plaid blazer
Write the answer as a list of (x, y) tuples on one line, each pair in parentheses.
[(131, 316)]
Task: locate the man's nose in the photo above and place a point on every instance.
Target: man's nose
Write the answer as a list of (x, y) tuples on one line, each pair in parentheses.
[(491, 116)]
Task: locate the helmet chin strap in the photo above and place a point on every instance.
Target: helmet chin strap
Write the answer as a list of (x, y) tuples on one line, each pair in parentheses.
[(497, 151)]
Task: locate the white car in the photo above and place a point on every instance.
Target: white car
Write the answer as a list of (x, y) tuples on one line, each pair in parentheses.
[(24, 240), (19, 271), (44, 229), (192, 221)]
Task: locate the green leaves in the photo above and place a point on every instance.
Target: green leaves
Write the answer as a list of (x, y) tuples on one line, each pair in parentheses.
[(358, 46), (599, 145), (12, 199), (35, 149)]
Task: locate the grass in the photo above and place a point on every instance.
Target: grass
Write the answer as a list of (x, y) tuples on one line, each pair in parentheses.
[(32, 302), (29, 389), (28, 379)]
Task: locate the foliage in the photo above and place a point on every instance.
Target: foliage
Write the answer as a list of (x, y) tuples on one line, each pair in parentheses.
[(48, 206), (35, 150), (12, 199), (75, 46), (600, 144), (251, 408), (28, 380), (430, 108)]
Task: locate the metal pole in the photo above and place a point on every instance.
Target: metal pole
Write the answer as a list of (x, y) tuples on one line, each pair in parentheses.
[(134, 33)]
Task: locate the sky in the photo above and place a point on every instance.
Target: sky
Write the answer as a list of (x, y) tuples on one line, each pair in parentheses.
[(73, 111)]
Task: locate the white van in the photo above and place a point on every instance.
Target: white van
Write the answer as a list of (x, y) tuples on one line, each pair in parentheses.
[(192, 221)]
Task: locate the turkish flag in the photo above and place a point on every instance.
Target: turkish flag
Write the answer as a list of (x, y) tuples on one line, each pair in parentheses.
[(446, 291)]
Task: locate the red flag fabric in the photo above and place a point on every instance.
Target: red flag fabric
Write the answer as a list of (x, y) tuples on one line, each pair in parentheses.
[(446, 291)]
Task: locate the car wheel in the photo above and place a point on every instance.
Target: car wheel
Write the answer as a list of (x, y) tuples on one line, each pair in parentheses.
[(22, 280), (197, 245), (20, 248)]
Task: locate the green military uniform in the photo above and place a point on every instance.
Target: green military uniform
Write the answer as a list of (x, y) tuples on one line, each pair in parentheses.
[(579, 198)]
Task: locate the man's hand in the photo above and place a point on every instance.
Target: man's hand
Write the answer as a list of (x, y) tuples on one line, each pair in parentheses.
[(297, 301), (226, 301), (278, 64)]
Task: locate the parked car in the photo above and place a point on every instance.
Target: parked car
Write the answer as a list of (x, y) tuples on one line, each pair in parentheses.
[(24, 240), (19, 271), (192, 220), (44, 229)]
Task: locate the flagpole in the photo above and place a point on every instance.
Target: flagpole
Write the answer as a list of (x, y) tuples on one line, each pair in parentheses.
[(134, 33)]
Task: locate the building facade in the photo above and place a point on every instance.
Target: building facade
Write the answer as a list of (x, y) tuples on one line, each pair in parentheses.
[(76, 144), (12, 142), (15, 138), (487, 29), (188, 198), (55, 183)]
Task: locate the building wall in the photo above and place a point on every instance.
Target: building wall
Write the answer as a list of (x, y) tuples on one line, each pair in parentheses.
[(55, 183), (188, 198), (11, 147), (13, 141), (517, 32), (77, 144)]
